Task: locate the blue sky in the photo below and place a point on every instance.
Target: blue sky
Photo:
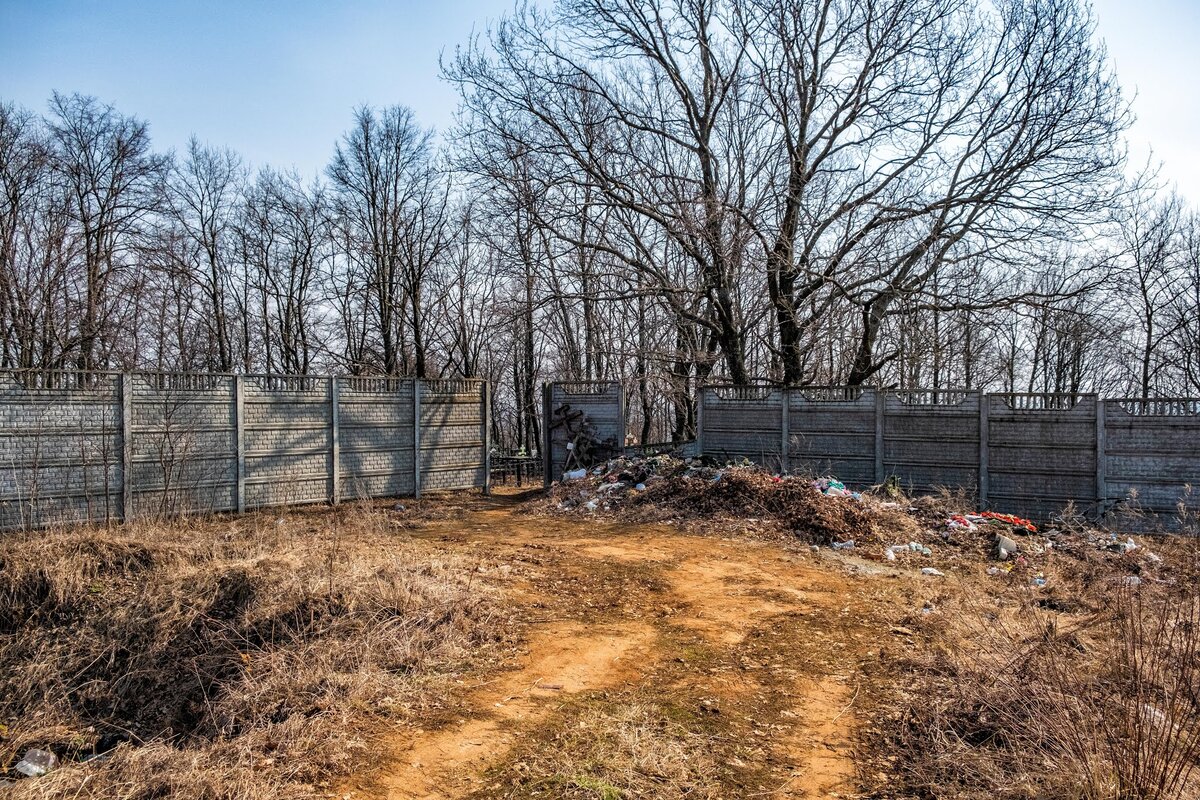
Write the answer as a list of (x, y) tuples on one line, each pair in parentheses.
[(277, 81)]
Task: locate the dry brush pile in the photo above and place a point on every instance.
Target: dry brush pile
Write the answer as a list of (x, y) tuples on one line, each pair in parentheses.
[(665, 489), (225, 659)]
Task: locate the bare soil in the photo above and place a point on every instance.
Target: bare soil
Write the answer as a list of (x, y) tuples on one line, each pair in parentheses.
[(653, 662)]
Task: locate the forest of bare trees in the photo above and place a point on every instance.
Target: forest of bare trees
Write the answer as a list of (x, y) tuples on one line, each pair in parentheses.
[(901, 192)]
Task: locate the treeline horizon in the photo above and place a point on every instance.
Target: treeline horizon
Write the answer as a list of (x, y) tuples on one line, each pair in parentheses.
[(904, 193)]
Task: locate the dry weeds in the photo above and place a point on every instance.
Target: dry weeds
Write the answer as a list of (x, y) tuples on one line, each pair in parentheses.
[(599, 750), (1010, 698), (247, 658)]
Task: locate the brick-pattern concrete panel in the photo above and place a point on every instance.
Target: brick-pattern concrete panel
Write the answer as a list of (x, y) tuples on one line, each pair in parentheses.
[(288, 440), (931, 439), (602, 404), (743, 422), (1152, 458), (1042, 453), (375, 434), (183, 449), (60, 451), (453, 435), (831, 431)]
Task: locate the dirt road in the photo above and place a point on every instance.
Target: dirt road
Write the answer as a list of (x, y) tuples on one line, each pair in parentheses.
[(651, 658)]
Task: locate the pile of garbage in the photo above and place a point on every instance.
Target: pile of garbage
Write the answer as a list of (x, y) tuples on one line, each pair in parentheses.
[(929, 533), (665, 488)]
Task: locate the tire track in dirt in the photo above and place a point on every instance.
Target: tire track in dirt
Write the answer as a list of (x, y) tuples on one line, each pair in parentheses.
[(564, 659), (722, 591)]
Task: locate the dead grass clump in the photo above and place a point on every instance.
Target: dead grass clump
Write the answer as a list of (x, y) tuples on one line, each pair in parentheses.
[(224, 659), (1106, 708), (602, 751)]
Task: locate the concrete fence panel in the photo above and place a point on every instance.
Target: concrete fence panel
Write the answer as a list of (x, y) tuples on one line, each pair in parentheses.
[(183, 444), (61, 454), (931, 439), (739, 422), (288, 441), (375, 437), (1152, 456), (566, 405), (1042, 453), (453, 435), (831, 431)]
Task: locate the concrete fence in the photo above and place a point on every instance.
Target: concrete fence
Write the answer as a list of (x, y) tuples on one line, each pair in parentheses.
[(566, 406), (100, 446), (1028, 454)]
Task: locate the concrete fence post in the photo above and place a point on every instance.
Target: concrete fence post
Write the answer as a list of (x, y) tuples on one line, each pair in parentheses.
[(880, 396), (785, 439), (622, 430), (335, 456), (984, 454), (1101, 460), (126, 446), (487, 437), (547, 450), (416, 408), (239, 439), (700, 421)]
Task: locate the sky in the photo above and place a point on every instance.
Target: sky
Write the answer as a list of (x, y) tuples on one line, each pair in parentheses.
[(278, 81)]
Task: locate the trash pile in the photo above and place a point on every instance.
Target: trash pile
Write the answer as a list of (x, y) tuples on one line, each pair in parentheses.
[(928, 533), (664, 488)]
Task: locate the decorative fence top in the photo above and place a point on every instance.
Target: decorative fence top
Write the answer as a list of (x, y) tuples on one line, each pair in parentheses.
[(57, 380), (1033, 401), (743, 393), (451, 385), (1166, 407), (183, 382), (1017, 401), (374, 384), (586, 387), (933, 397), (831, 394)]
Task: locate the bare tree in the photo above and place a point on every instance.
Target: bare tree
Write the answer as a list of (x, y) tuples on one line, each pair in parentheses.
[(394, 205), (643, 138), (1151, 283), (284, 241), (35, 247), (113, 180), (204, 194)]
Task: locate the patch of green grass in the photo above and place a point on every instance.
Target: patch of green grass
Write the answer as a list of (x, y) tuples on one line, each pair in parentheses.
[(603, 789)]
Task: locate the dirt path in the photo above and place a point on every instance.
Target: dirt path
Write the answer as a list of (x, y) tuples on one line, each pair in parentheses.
[(756, 645)]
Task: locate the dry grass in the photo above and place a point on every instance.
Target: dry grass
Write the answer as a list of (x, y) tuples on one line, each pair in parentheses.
[(247, 658), (598, 750), (1010, 700)]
